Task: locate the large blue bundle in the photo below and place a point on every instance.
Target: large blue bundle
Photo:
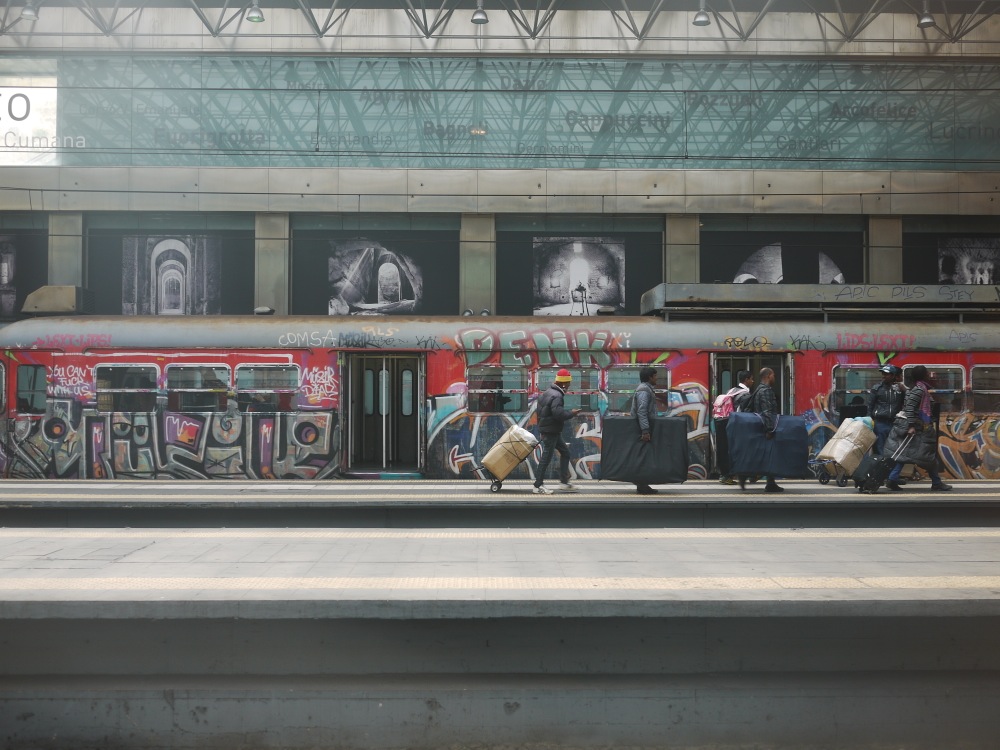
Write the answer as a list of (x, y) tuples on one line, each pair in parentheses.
[(663, 460), (784, 455)]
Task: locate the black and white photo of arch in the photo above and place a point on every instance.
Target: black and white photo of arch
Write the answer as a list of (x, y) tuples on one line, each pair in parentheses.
[(171, 275), (394, 271), (969, 260), (578, 275), (781, 257)]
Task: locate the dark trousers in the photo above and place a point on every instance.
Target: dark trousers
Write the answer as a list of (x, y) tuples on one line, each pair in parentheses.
[(722, 447), (882, 430), (553, 442)]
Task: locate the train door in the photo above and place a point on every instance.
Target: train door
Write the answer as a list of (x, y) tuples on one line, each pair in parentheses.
[(384, 424), (726, 366)]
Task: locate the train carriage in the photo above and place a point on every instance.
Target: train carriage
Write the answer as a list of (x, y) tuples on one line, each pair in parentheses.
[(316, 398)]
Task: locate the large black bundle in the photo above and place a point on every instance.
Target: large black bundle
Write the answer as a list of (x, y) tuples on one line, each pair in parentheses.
[(663, 460), (784, 455), (922, 450)]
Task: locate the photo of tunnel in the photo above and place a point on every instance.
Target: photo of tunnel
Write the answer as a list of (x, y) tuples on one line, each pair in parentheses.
[(578, 275)]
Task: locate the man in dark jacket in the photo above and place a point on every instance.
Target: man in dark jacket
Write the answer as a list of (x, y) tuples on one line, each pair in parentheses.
[(552, 415), (765, 403), (885, 400), (644, 410)]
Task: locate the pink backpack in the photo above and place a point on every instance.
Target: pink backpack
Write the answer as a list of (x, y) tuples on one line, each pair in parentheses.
[(723, 405)]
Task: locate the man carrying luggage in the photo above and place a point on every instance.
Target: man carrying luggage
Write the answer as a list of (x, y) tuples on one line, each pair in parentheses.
[(885, 400), (737, 397), (765, 403), (552, 415), (644, 410)]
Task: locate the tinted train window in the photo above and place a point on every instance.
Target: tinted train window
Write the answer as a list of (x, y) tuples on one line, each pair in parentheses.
[(266, 388), (851, 386), (948, 384), (126, 388), (194, 388), (584, 390), (31, 389), (622, 382), (496, 389), (986, 389)]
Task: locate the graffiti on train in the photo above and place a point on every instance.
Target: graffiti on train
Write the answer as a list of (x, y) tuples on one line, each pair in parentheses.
[(542, 348), (71, 444)]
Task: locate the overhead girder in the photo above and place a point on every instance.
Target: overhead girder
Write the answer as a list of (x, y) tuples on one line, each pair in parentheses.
[(530, 19)]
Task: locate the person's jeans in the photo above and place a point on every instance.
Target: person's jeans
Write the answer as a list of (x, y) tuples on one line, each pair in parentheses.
[(552, 442), (882, 430)]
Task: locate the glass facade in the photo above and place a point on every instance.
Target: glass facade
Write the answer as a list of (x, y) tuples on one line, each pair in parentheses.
[(462, 112)]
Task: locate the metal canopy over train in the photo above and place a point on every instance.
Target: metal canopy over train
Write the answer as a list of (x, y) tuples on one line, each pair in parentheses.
[(319, 397)]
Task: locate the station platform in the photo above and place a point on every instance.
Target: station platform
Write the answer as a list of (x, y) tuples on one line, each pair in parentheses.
[(492, 636)]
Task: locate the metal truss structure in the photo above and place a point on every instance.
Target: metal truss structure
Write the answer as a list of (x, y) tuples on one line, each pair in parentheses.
[(730, 20)]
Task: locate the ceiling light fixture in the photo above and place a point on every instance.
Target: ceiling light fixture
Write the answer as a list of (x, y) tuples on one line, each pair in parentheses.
[(29, 12), (701, 18), (255, 14), (479, 15), (926, 20)]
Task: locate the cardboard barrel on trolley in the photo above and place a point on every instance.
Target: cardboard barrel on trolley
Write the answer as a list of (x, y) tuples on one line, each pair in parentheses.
[(509, 451)]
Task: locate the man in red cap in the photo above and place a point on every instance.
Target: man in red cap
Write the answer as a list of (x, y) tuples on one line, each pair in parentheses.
[(552, 415)]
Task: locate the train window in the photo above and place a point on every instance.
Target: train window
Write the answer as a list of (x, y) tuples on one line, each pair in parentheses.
[(622, 382), (196, 388), (406, 392), (986, 389), (495, 389), (31, 389), (851, 385), (584, 390), (266, 388), (369, 392), (126, 388), (948, 385)]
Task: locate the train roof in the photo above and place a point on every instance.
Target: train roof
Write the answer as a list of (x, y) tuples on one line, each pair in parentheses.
[(81, 333)]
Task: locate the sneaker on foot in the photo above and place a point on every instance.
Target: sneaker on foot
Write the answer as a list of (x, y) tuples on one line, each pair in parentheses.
[(893, 485), (646, 490), (773, 488), (543, 490), (727, 480), (568, 487), (941, 487)]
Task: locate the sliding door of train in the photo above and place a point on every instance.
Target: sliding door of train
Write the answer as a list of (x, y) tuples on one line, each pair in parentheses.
[(385, 397), (726, 366)]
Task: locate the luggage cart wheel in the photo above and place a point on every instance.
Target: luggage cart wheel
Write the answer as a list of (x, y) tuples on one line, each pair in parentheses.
[(495, 486), (842, 481), (824, 478)]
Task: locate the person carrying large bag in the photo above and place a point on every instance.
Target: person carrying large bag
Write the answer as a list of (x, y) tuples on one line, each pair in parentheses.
[(916, 419)]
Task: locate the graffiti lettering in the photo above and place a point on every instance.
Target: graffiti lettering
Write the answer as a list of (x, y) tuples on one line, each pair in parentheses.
[(876, 341), (379, 331), (756, 343), (856, 292), (909, 292), (71, 380), (961, 337), (352, 340), (554, 348), (430, 343), (69, 340), (320, 383), (806, 344), (477, 345), (954, 294)]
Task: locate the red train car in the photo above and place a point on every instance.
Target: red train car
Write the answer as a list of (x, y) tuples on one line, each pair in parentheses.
[(316, 398)]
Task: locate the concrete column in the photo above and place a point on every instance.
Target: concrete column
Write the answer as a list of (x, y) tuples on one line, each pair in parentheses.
[(884, 261), (681, 249), (477, 250), (272, 262), (66, 258)]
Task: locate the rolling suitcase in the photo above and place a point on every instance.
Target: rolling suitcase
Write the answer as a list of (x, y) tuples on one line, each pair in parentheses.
[(874, 470)]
